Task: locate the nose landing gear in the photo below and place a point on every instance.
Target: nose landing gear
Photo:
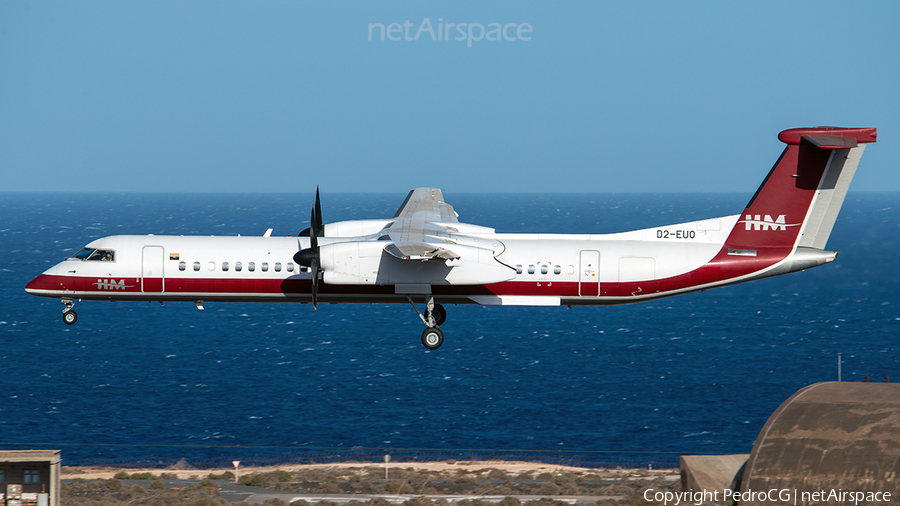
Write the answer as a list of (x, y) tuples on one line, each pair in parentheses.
[(69, 316)]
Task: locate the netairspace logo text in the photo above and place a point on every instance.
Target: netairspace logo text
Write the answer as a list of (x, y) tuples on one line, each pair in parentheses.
[(441, 31)]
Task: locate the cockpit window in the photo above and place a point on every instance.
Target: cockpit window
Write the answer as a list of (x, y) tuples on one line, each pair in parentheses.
[(84, 253), (97, 255), (103, 255)]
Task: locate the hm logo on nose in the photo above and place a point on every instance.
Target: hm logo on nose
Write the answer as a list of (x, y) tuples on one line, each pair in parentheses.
[(110, 284)]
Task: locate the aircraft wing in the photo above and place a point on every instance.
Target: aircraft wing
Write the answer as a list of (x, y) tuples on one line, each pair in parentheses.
[(418, 231), (426, 204)]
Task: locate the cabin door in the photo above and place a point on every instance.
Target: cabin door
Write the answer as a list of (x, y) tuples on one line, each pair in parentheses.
[(589, 274), (152, 269)]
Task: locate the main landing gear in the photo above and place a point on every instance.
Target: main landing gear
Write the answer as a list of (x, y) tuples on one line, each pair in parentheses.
[(69, 316), (435, 315)]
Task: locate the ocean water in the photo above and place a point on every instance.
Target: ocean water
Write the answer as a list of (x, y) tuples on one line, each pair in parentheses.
[(699, 373)]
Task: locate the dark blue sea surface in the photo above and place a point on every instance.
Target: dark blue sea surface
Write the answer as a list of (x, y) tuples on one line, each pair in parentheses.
[(697, 373)]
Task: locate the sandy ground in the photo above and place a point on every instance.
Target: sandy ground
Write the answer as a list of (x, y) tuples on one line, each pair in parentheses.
[(469, 467)]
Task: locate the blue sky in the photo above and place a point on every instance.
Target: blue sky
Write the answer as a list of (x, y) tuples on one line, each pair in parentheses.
[(281, 96)]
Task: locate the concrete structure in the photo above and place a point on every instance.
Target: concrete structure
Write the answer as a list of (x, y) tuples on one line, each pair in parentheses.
[(712, 472), (834, 438), (29, 477), (825, 442)]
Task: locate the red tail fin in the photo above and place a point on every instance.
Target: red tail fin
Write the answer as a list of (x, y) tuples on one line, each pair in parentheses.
[(804, 190)]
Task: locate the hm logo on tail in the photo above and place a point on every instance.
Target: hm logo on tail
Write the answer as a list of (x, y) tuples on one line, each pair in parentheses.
[(753, 222)]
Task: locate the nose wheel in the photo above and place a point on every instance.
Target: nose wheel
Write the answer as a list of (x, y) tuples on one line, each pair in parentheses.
[(69, 316)]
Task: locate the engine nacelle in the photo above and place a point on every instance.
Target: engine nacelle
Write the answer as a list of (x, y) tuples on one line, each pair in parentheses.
[(351, 263)]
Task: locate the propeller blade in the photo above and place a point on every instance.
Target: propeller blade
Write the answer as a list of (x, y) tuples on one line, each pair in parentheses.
[(309, 257), (317, 217), (314, 245), (315, 222), (314, 270), (313, 233)]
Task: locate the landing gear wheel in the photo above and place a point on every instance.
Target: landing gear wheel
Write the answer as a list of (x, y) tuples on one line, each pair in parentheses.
[(432, 338), (70, 317), (439, 314)]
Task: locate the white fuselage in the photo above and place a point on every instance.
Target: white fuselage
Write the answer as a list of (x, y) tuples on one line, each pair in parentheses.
[(539, 269)]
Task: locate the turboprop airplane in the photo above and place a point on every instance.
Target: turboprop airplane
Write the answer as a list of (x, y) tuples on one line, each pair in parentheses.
[(423, 254)]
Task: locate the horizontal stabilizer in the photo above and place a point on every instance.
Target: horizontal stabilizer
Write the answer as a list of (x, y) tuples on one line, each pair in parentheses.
[(792, 136)]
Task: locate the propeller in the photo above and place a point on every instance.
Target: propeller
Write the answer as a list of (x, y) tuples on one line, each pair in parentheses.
[(309, 257)]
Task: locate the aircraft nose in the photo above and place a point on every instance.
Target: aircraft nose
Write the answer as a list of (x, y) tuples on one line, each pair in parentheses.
[(42, 282), (48, 280)]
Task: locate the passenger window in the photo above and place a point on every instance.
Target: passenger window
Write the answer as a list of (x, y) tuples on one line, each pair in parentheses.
[(570, 269), (224, 266), (265, 266), (182, 266), (211, 266), (519, 269), (251, 266), (277, 266), (196, 266), (290, 266), (557, 269), (238, 266), (530, 269), (544, 269)]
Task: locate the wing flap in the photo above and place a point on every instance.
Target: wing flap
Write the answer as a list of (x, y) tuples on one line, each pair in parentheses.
[(413, 250)]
